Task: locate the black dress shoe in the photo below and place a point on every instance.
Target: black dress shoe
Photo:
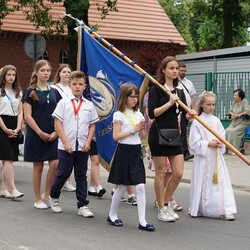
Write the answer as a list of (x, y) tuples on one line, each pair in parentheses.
[(188, 157), (92, 193), (116, 223), (101, 192), (148, 227)]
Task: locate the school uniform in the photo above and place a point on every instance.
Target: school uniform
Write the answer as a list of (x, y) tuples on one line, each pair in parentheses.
[(9, 114), (76, 129), (36, 149), (127, 167)]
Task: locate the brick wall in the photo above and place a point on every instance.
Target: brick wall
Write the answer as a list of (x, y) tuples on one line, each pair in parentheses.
[(12, 52)]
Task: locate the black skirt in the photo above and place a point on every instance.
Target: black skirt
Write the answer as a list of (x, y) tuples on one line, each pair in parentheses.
[(157, 150), (93, 148), (8, 146), (127, 167)]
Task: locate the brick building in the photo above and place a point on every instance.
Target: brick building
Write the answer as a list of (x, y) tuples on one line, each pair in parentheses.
[(140, 29)]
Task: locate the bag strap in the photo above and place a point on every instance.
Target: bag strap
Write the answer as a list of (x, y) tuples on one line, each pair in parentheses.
[(185, 87), (11, 105)]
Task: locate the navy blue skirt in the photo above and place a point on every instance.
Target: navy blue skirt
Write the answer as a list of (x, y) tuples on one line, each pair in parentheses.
[(127, 166)]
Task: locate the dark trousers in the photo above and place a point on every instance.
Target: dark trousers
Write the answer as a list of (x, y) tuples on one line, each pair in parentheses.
[(79, 161), (184, 123)]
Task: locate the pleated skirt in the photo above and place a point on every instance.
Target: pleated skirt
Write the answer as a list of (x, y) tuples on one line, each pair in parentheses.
[(127, 166)]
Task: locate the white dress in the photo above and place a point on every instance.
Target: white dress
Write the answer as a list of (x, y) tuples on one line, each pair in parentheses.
[(207, 198)]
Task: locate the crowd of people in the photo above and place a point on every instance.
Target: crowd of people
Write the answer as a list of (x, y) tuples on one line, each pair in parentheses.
[(60, 129)]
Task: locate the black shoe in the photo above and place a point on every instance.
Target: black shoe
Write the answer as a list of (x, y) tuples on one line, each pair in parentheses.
[(148, 227), (188, 157), (116, 223), (101, 192), (92, 193)]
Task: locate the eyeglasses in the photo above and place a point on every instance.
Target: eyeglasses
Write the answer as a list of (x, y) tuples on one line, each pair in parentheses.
[(134, 96)]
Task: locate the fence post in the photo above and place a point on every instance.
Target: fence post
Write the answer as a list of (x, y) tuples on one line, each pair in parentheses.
[(209, 81)]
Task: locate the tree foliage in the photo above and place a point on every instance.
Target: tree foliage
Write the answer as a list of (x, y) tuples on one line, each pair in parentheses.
[(179, 14), (210, 24)]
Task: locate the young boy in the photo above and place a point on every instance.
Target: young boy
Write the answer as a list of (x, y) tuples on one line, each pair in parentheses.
[(75, 119)]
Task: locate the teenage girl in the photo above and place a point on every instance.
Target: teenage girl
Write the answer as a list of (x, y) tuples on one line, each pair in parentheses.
[(11, 117), (39, 102)]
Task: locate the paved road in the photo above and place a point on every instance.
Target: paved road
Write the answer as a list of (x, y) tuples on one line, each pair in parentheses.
[(23, 227)]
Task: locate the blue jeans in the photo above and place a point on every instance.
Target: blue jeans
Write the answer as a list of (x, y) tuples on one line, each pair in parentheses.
[(78, 160)]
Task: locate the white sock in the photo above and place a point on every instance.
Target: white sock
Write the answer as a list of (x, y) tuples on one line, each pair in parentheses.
[(116, 199), (131, 195), (98, 188), (141, 203), (91, 189)]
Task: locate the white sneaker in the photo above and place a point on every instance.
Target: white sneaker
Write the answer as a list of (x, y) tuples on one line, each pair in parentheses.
[(5, 194), (40, 205), (85, 212), (163, 215), (172, 213), (46, 200), (175, 206), (68, 186), (15, 194), (55, 206), (227, 217)]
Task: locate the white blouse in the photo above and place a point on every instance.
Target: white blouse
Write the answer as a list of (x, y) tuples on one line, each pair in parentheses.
[(126, 125), (9, 104)]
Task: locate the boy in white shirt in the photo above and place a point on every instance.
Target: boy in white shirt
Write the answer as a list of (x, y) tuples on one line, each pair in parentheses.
[(75, 119)]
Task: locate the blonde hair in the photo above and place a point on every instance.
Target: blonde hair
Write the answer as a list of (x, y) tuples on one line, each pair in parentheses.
[(33, 81), (202, 98)]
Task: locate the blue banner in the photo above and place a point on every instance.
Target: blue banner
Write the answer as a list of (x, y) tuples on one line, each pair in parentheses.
[(106, 73)]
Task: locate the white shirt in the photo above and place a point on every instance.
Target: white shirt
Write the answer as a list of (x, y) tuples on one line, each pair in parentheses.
[(190, 87), (9, 104), (64, 91), (75, 128), (126, 125)]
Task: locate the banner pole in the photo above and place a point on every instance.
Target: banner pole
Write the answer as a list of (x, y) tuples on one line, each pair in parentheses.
[(129, 61)]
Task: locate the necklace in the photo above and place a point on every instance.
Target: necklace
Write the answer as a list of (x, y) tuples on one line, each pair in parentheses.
[(176, 103), (41, 91)]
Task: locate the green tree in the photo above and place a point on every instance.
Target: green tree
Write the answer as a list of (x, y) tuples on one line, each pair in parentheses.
[(227, 20), (210, 24), (38, 14), (179, 13)]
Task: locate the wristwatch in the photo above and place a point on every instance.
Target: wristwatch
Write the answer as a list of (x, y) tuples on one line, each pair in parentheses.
[(132, 131)]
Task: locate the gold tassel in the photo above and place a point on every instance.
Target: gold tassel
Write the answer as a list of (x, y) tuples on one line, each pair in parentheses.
[(215, 175)]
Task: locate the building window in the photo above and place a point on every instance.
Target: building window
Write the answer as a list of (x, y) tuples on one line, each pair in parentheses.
[(64, 56), (45, 55)]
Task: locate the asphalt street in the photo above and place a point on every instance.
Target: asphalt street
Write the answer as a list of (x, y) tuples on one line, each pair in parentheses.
[(24, 227)]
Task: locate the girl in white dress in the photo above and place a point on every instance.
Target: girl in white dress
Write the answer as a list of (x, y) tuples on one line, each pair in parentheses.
[(211, 193)]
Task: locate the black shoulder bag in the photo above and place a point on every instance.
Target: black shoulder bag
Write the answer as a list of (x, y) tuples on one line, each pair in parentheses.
[(169, 137)]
